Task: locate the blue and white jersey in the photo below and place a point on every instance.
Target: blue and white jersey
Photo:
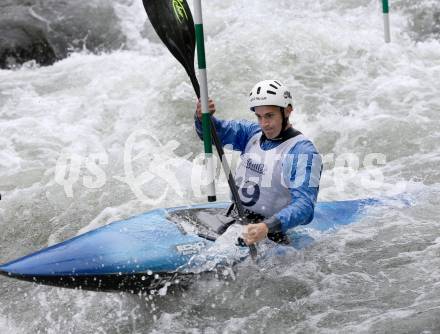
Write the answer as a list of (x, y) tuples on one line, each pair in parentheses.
[(276, 178)]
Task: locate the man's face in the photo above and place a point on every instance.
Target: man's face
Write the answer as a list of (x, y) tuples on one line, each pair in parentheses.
[(270, 120)]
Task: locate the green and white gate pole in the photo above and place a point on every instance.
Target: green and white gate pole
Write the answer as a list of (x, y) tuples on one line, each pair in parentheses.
[(206, 117), (386, 20)]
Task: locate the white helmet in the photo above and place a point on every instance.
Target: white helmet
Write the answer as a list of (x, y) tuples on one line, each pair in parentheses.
[(269, 93)]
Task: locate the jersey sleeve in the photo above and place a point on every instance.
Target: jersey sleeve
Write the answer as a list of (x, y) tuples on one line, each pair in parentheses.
[(235, 133), (302, 170)]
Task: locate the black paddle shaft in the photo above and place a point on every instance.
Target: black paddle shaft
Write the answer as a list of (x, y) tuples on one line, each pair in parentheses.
[(224, 162)]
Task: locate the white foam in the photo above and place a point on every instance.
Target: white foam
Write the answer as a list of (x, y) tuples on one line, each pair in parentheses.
[(223, 252), (353, 94), (7, 325)]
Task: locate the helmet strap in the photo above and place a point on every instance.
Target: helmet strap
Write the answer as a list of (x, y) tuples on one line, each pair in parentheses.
[(284, 123)]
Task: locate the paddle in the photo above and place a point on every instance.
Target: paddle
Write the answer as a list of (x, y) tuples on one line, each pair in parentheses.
[(173, 22)]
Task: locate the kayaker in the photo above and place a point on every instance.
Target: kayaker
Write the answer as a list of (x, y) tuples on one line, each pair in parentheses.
[(280, 169)]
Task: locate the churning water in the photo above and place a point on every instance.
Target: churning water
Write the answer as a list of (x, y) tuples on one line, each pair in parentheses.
[(64, 131)]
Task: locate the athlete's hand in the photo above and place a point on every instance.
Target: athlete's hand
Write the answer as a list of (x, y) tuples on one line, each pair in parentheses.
[(211, 108), (254, 233)]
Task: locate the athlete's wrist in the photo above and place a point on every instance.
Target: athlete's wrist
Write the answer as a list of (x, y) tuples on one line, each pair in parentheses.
[(273, 224)]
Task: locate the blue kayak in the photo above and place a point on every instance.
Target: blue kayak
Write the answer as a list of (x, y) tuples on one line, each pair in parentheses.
[(147, 251)]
